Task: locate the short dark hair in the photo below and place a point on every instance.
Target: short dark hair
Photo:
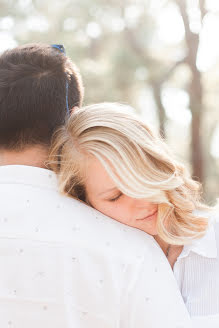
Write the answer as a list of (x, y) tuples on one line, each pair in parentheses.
[(33, 94)]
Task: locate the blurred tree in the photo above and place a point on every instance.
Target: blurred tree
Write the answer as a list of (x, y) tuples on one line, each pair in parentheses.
[(195, 89), (115, 43)]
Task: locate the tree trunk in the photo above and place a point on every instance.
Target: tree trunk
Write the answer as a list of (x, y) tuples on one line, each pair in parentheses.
[(156, 88), (195, 91), (196, 95)]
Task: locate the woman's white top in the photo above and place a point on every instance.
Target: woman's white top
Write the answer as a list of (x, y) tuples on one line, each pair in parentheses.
[(197, 273)]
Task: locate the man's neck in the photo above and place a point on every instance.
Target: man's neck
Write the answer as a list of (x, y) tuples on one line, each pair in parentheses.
[(32, 156)]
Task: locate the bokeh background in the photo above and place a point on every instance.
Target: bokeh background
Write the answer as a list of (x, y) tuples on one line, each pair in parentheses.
[(160, 56)]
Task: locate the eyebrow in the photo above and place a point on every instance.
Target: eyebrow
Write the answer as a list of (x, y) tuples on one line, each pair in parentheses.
[(108, 190)]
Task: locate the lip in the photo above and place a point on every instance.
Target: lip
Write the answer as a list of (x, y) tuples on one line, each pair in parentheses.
[(149, 217)]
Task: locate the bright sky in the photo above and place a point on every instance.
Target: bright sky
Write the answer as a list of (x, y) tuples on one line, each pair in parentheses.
[(209, 49)]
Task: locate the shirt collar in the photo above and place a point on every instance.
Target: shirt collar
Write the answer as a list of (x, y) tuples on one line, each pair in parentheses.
[(28, 175), (205, 246)]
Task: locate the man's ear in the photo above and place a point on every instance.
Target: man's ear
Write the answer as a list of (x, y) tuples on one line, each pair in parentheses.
[(73, 109)]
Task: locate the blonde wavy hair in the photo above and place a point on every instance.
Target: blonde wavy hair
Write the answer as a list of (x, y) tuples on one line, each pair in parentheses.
[(138, 161)]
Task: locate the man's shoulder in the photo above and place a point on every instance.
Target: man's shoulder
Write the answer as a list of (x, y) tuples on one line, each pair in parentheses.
[(91, 228), (50, 217)]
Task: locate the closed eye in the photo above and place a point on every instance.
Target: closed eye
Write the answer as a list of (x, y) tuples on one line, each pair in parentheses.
[(115, 198)]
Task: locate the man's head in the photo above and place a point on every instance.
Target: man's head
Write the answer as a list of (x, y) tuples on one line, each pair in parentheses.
[(33, 94)]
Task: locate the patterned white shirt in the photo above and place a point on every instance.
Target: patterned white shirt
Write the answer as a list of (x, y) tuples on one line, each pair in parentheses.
[(63, 265), (197, 273)]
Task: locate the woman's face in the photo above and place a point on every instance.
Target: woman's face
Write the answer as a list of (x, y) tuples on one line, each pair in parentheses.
[(103, 195)]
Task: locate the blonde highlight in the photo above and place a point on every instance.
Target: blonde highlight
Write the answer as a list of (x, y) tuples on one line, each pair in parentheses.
[(138, 161)]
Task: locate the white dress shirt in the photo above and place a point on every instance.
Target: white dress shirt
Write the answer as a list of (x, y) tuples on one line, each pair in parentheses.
[(197, 273), (64, 265)]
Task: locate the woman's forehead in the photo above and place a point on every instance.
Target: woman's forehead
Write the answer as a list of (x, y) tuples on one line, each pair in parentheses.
[(97, 179)]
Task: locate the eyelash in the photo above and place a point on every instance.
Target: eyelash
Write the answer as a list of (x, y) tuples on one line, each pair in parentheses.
[(116, 198)]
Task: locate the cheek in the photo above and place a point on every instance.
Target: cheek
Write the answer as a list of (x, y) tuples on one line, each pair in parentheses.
[(113, 210)]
